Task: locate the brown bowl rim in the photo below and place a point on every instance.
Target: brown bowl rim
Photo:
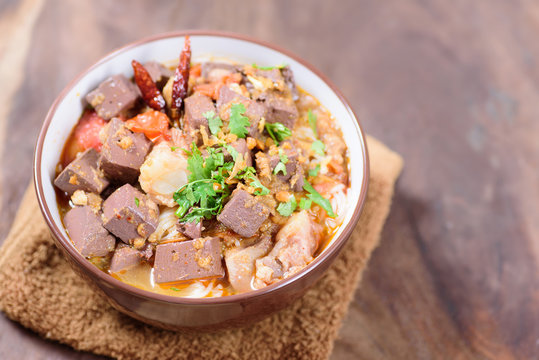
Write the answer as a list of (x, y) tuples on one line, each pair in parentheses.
[(332, 250)]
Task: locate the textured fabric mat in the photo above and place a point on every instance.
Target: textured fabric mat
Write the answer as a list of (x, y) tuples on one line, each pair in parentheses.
[(39, 290)]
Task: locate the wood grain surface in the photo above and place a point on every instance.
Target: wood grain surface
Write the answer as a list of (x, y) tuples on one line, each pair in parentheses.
[(452, 86)]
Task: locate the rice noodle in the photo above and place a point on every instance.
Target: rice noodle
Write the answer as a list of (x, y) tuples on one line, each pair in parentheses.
[(338, 200), (166, 228)]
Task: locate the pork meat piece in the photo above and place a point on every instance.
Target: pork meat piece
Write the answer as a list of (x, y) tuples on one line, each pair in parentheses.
[(240, 263), (294, 248)]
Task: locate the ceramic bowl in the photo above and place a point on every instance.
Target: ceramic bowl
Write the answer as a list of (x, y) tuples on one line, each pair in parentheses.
[(176, 312)]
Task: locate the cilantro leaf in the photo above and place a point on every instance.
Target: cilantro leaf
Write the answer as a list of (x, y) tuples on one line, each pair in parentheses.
[(195, 164), (318, 147), (312, 122), (314, 171), (137, 201), (280, 167), (173, 148), (277, 131), (305, 203), (204, 195), (318, 199), (233, 152), (239, 123), (287, 208), (260, 189), (214, 121), (283, 160)]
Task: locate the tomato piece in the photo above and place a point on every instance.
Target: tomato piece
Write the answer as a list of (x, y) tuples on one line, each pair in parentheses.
[(234, 78), (195, 71), (87, 130), (210, 90), (153, 124)]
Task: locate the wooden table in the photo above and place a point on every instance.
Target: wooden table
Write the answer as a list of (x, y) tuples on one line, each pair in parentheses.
[(453, 86)]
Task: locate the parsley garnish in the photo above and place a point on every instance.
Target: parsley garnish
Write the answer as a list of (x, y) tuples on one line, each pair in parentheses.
[(312, 122), (214, 121), (314, 171), (239, 123), (318, 199), (278, 131), (173, 148), (174, 289), (287, 208), (268, 67), (137, 201), (318, 147)]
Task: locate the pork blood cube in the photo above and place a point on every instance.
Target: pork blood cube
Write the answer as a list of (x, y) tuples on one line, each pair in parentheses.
[(125, 257), (113, 96), (280, 109), (123, 152), (130, 215), (82, 174), (188, 260), (159, 73), (87, 233), (243, 213), (253, 110), (195, 107)]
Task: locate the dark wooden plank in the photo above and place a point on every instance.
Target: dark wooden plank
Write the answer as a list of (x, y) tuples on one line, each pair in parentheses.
[(452, 86)]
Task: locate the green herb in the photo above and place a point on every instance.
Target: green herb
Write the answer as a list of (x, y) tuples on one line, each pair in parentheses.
[(314, 171), (173, 148), (214, 121), (278, 131), (281, 166), (260, 189), (305, 203), (312, 122), (318, 147), (204, 195), (232, 151), (195, 164), (136, 201), (239, 123), (268, 67), (246, 173), (318, 199), (174, 289), (287, 208)]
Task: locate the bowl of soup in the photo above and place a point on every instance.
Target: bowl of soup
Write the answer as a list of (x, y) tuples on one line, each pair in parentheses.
[(201, 179)]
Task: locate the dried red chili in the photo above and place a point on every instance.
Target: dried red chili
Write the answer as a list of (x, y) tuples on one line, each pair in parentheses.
[(181, 79), (150, 93)]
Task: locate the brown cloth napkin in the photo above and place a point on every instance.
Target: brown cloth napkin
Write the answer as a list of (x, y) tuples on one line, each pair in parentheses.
[(39, 290)]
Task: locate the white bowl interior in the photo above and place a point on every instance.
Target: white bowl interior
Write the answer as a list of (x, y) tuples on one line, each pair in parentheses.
[(203, 47)]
